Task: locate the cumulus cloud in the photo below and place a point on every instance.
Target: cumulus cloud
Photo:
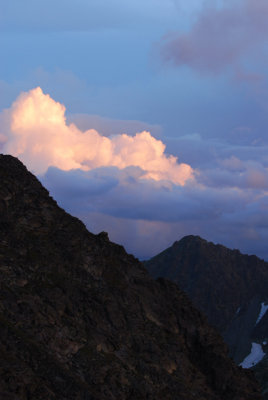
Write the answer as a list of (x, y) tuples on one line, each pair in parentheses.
[(39, 135), (221, 36), (110, 126), (128, 185)]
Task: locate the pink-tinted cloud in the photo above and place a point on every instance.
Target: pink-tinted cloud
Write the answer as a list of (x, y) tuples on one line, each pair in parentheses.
[(110, 126), (128, 185), (220, 37), (39, 135)]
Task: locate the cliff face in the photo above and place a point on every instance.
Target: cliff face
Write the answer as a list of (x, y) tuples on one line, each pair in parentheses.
[(229, 287), (82, 319)]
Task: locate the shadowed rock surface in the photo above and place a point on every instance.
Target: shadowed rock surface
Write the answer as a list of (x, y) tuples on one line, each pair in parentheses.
[(82, 319), (229, 287)]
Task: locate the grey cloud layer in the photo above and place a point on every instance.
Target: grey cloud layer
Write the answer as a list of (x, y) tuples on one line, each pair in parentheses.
[(224, 205), (119, 193), (220, 37)]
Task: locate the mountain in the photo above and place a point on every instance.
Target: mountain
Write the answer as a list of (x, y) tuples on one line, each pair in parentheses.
[(82, 319), (229, 287)]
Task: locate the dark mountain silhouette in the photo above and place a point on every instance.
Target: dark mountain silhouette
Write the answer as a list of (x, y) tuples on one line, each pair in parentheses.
[(229, 287), (82, 319)]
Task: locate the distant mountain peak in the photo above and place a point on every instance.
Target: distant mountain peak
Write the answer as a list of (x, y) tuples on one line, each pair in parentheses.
[(230, 288), (190, 239)]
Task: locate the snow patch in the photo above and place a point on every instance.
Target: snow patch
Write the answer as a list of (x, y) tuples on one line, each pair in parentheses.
[(264, 308), (254, 357)]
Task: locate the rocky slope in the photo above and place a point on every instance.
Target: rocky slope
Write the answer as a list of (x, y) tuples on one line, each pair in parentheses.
[(230, 288), (82, 319)]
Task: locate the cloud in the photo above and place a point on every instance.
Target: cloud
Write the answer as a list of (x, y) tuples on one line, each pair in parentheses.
[(233, 172), (128, 185), (39, 135), (146, 216), (109, 127), (124, 195), (220, 37)]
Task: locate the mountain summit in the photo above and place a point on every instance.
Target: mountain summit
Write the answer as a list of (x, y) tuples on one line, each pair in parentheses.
[(229, 287), (82, 319)]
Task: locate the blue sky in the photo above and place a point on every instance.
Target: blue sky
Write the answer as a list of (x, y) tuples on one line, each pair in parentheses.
[(193, 74)]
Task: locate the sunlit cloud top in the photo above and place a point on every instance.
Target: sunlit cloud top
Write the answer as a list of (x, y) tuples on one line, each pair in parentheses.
[(35, 130)]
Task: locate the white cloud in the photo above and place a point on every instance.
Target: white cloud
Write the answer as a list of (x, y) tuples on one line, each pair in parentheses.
[(129, 186), (39, 135)]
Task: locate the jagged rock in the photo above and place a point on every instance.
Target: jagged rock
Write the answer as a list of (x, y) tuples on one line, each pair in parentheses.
[(82, 319), (229, 287)]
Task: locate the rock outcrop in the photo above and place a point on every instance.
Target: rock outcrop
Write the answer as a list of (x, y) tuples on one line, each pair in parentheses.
[(82, 319)]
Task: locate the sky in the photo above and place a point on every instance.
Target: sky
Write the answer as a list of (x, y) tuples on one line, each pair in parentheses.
[(145, 119)]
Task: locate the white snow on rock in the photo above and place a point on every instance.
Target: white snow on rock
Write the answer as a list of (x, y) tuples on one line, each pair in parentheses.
[(254, 357), (264, 308)]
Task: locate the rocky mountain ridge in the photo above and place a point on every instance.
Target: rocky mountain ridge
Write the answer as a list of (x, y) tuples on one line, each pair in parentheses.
[(82, 319), (229, 287)]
